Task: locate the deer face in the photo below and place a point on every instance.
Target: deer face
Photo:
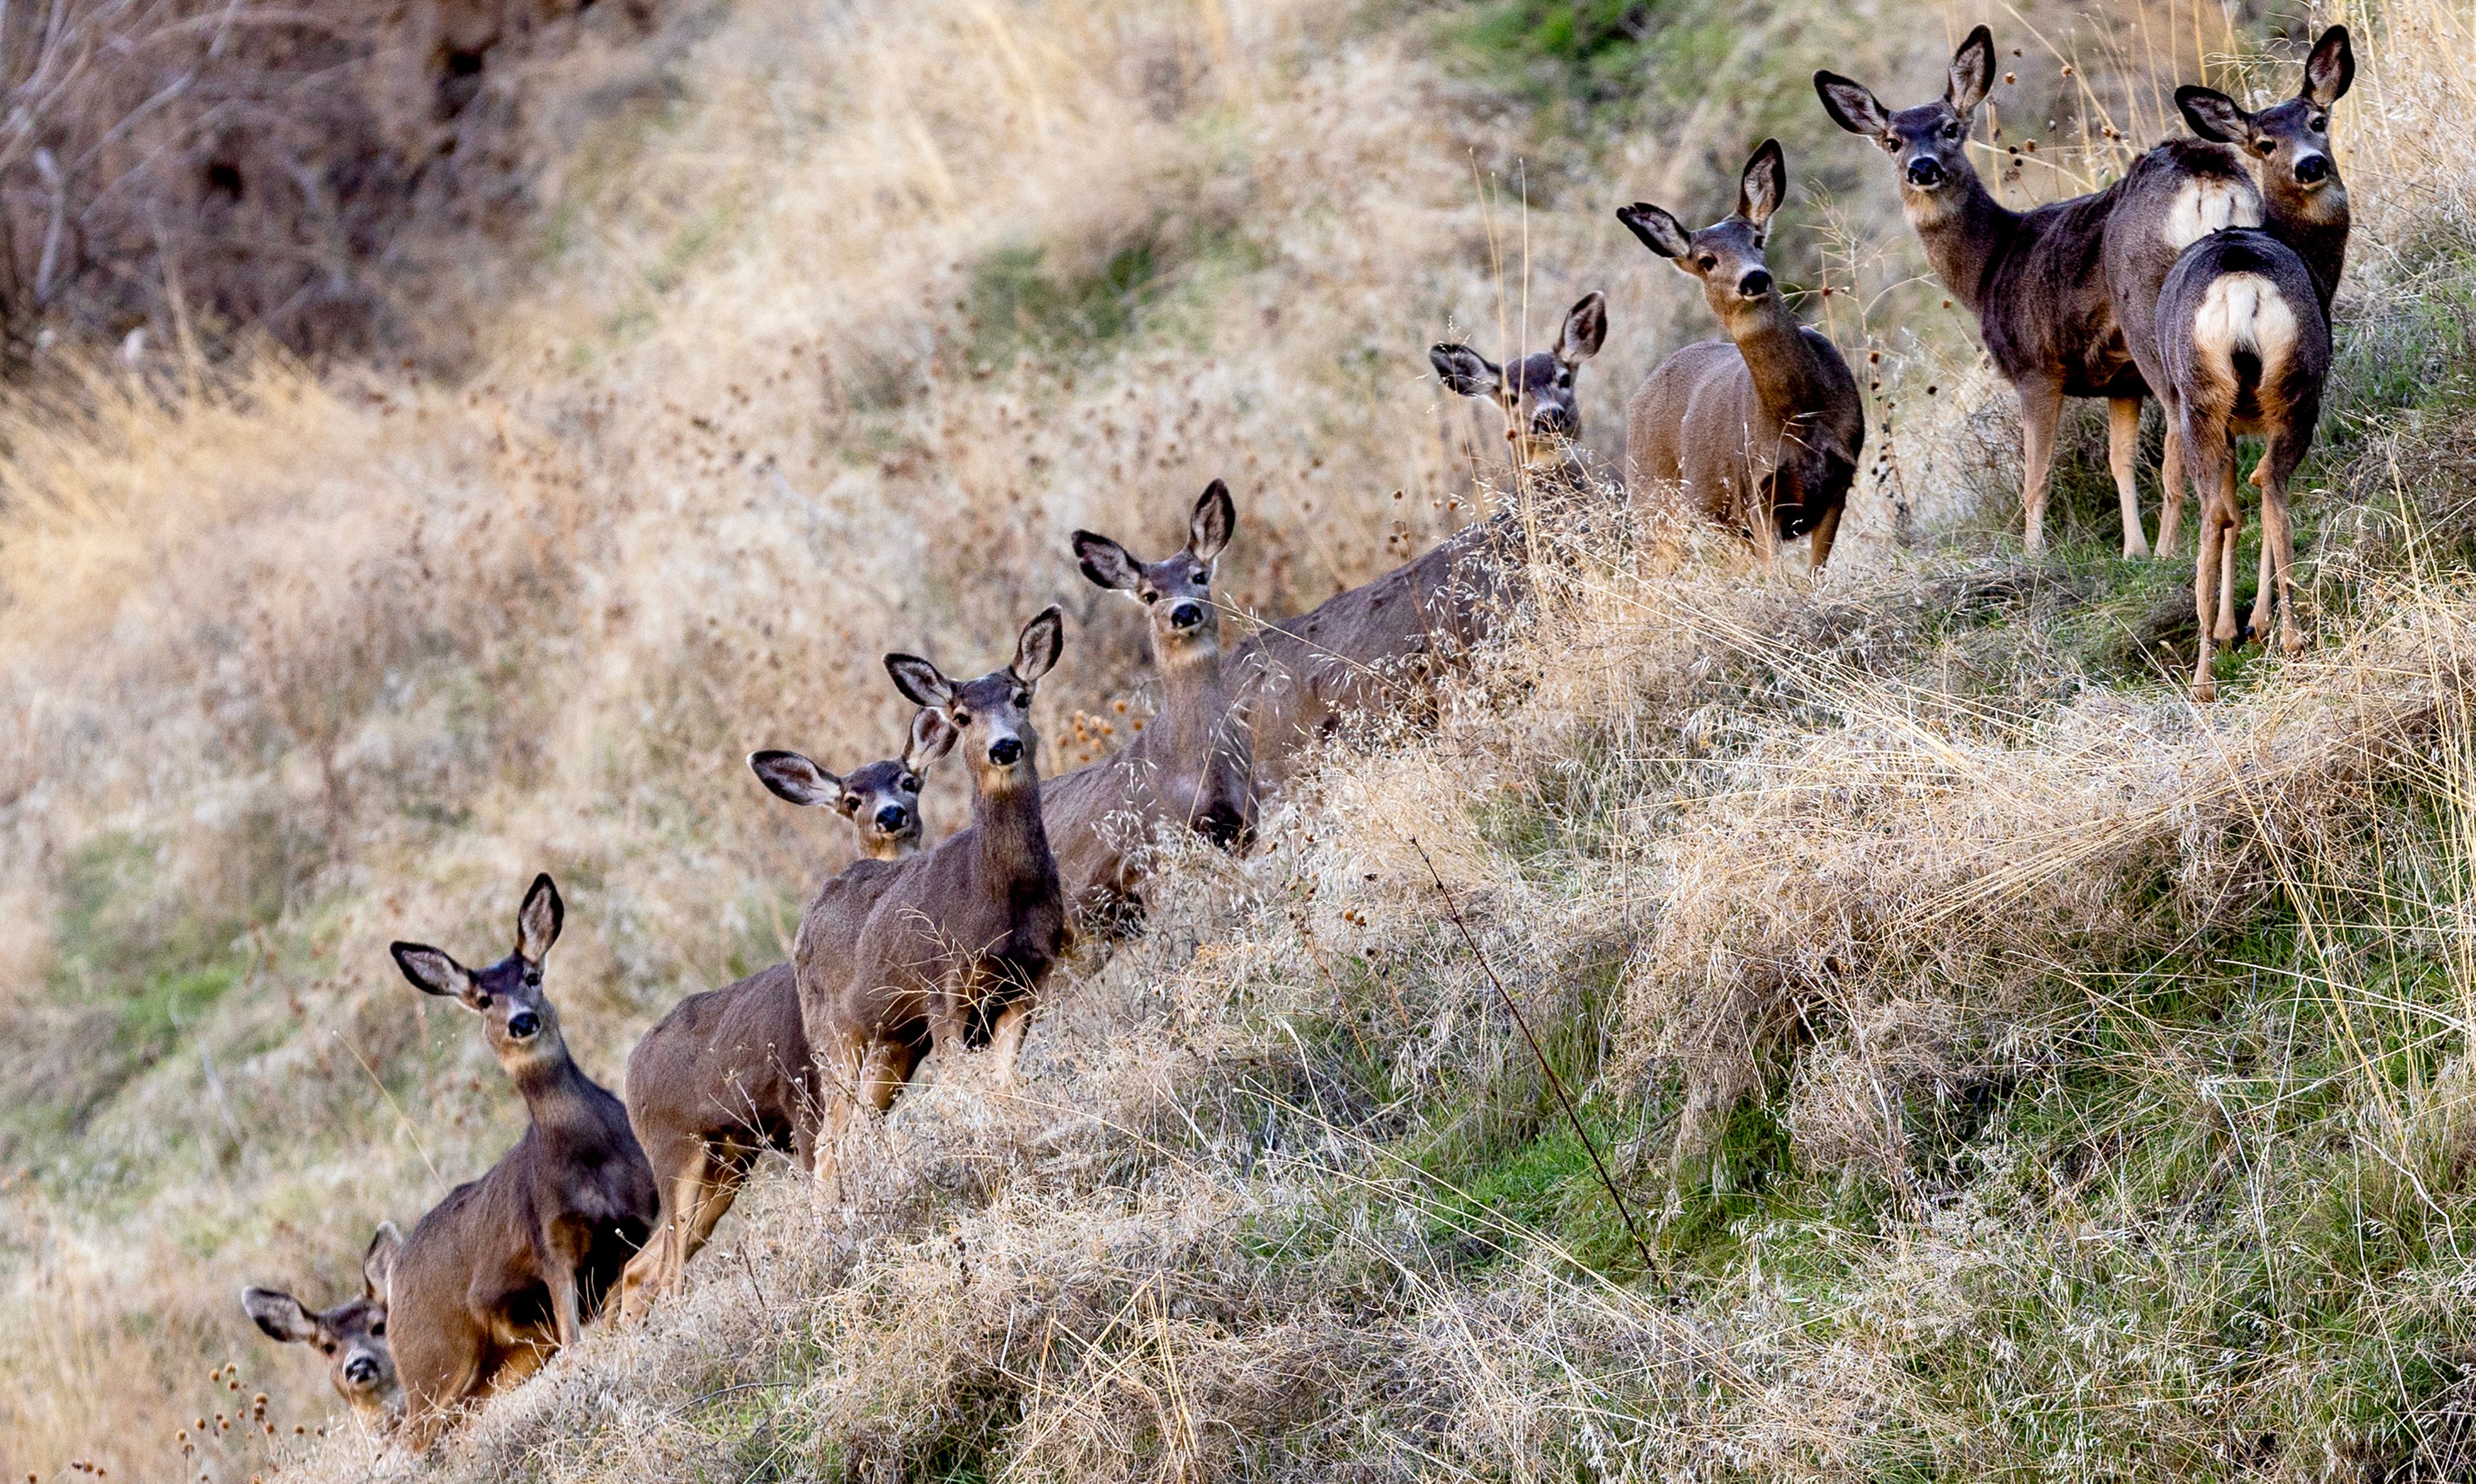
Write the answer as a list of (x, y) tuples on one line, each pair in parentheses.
[(882, 799), (518, 1019), (1928, 142), (1175, 591), (1542, 412), (351, 1337), (992, 715), (2290, 141), (1727, 255)]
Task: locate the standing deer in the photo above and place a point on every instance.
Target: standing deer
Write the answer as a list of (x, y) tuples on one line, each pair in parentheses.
[(897, 957), (352, 1336), (2186, 188), (2035, 279), (2245, 346), (727, 1074), (1762, 430), (509, 1268), (1191, 766), (1542, 407)]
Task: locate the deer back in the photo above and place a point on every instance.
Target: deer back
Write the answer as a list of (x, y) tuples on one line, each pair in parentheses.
[(729, 1067), (2172, 197)]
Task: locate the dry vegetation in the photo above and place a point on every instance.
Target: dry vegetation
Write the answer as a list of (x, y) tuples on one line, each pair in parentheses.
[(2012, 1069)]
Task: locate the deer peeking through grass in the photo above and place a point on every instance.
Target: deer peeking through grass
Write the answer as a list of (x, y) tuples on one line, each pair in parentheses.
[(352, 1337), (1538, 393)]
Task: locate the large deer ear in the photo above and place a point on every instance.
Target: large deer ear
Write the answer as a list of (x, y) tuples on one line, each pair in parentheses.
[(1105, 562), (1658, 231), (2330, 69), (1764, 186), (1037, 648), (920, 681), (1464, 371), (1586, 329), (280, 1315), (434, 973), (1852, 106), (793, 779), (540, 919), (1972, 72), (378, 1263), (933, 737), (1208, 529), (2213, 114)]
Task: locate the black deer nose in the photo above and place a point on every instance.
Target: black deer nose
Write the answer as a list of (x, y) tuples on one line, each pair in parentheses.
[(360, 1371), (1552, 421), (1186, 614), (1006, 752), (523, 1023), (890, 818), (1925, 172), (1755, 284), (2312, 168)]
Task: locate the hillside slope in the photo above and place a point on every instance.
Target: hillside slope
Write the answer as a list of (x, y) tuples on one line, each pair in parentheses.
[(2010, 1067)]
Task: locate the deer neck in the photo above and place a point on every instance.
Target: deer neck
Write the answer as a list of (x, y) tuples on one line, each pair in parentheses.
[(1192, 698), (1768, 335), (558, 1097), (1963, 230), (1012, 839), (2316, 225)]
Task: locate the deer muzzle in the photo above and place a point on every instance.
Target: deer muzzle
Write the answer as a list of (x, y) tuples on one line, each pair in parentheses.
[(1925, 172), (1006, 751), (2313, 169)]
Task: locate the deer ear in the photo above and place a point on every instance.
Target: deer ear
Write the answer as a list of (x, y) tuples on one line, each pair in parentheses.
[(379, 1262), (432, 972), (794, 778), (2213, 114), (1208, 529), (1765, 183), (280, 1315), (1657, 230), (933, 737), (2330, 69), (1464, 371), (1105, 562), (1852, 106), (920, 681), (1972, 72), (540, 919), (1037, 648), (1586, 329)]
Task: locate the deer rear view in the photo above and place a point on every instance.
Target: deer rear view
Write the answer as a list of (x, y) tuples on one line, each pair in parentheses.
[(727, 1074), (352, 1337), (1761, 431), (1191, 768), (511, 1267)]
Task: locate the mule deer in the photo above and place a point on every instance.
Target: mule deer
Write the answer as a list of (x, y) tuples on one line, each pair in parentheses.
[(1543, 415), (352, 1336), (509, 1268), (727, 1074), (1191, 766), (2034, 279), (905, 956), (1761, 429), (2244, 344), (2186, 189)]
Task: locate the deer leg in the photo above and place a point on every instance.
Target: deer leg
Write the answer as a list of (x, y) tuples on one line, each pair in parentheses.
[(565, 1311), (838, 1074), (1825, 531), (2122, 455), (889, 1066), (2170, 477), (2042, 410), (2278, 536), (2213, 539), (1006, 1042), (646, 1273)]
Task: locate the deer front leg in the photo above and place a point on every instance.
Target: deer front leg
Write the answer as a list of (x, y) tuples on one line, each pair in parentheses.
[(2122, 456), (1005, 1041), (565, 1309), (2042, 410), (1825, 531), (889, 1066)]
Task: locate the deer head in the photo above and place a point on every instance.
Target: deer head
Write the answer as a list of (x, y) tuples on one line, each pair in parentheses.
[(992, 715), (1726, 257), (518, 1021), (2290, 140), (881, 799), (1176, 590), (1541, 414), (1929, 143), (351, 1336)]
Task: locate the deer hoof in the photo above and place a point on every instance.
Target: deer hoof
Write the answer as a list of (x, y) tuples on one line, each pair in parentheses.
[(2205, 691)]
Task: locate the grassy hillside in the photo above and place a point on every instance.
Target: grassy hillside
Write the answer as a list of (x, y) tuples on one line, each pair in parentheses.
[(2010, 1068)]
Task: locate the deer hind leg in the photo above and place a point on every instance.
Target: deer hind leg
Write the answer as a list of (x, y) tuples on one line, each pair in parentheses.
[(2122, 456), (1825, 531), (1006, 1042), (2277, 540), (2170, 484), (887, 1069), (838, 1084), (2042, 410), (2209, 566)]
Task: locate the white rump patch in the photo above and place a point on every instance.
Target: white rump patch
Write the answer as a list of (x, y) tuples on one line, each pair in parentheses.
[(2244, 311), (2206, 206)]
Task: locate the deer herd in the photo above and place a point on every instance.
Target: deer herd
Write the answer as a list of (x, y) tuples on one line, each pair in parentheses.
[(2202, 278)]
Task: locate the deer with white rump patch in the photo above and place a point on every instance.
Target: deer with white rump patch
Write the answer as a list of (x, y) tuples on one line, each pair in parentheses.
[(352, 1337), (2034, 279), (896, 958), (1761, 431), (727, 1074), (509, 1268)]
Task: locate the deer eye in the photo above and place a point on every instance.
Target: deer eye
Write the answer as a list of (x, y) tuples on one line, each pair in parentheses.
[(1951, 131), (326, 1347), (1023, 699), (1149, 596), (2319, 124), (2264, 148), (850, 803), (1203, 574), (378, 1330), (1706, 262), (962, 718), (910, 784)]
